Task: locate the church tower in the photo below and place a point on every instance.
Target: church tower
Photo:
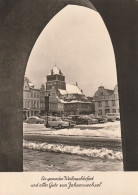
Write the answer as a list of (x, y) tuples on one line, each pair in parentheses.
[(55, 78)]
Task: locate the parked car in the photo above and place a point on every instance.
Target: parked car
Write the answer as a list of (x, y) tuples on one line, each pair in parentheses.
[(113, 116), (83, 120), (35, 120), (56, 122), (70, 116), (91, 118), (71, 122), (102, 119)]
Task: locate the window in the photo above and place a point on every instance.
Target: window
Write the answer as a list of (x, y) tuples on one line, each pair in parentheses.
[(114, 110), (100, 112), (107, 111), (25, 104), (34, 95), (31, 94), (34, 104), (37, 104), (100, 104), (106, 103), (113, 102)]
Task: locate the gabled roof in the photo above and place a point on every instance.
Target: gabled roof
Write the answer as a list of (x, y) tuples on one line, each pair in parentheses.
[(102, 91), (55, 70), (30, 84), (70, 89), (109, 91)]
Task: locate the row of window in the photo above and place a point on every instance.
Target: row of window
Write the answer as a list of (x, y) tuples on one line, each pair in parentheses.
[(31, 104), (60, 84), (55, 77), (33, 95), (42, 104), (105, 97), (100, 104), (52, 105), (81, 106), (100, 112)]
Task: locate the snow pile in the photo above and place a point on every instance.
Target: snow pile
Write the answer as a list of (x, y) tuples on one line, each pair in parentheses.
[(108, 130), (103, 153)]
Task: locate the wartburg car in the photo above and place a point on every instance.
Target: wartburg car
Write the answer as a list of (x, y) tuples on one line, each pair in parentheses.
[(56, 122)]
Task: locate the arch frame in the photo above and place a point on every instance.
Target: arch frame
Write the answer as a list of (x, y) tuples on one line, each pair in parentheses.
[(18, 34)]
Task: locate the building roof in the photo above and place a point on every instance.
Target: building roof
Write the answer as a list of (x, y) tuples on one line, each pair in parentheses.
[(30, 84), (74, 101), (70, 89), (109, 91), (55, 70), (102, 91)]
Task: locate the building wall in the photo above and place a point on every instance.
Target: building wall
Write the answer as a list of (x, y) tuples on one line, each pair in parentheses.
[(26, 99), (55, 106), (77, 108), (106, 101), (42, 99), (35, 102), (58, 81), (31, 100)]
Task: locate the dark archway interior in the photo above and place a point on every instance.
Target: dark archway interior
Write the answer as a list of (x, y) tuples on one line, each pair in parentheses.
[(21, 23)]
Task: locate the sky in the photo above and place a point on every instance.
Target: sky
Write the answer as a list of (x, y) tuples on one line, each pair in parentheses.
[(76, 40)]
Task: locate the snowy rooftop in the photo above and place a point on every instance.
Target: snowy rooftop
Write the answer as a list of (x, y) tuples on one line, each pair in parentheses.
[(31, 84), (70, 89), (55, 70), (75, 101)]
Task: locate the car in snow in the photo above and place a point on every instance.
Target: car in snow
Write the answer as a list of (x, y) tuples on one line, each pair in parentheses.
[(35, 120), (56, 122), (101, 119), (81, 120), (71, 122), (113, 116)]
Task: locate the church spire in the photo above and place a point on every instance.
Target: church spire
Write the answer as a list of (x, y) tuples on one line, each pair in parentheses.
[(55, 70)]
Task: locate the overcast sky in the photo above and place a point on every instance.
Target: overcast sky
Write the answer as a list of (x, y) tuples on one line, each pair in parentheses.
[(77, 41)]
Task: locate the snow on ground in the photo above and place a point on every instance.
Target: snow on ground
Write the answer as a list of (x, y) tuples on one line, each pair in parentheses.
[(108, 130)]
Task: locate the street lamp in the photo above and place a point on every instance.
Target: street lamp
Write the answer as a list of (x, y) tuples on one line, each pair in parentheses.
[(47, 107)]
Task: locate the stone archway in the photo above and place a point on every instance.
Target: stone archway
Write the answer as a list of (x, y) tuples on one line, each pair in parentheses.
[(21, 23)]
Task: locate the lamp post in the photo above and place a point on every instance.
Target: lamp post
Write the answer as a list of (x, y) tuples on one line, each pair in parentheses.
[(47, 107)]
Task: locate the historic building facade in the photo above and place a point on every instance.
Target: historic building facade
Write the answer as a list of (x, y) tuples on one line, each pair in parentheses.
[(71, 100), (31, 99), (42, 99), (56, 106), (106, 101)]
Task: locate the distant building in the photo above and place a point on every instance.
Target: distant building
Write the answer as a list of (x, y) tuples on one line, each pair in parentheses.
[(91, 99), (42, 99), (71, 99), (56, 107), (31, 99), (106, 101), (55, 78)]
